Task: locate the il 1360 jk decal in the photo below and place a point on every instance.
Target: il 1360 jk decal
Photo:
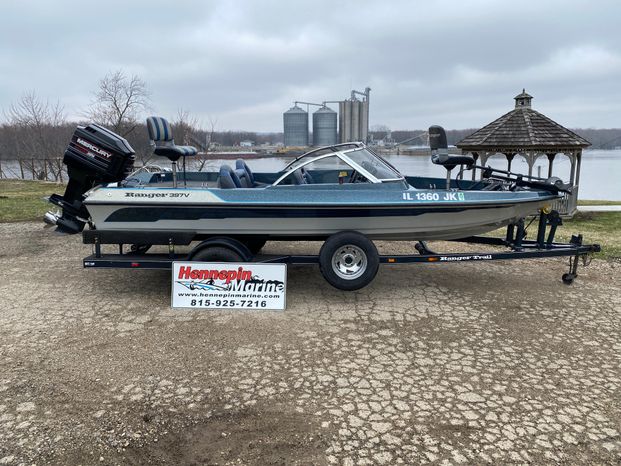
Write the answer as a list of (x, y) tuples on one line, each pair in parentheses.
[(428, 196)]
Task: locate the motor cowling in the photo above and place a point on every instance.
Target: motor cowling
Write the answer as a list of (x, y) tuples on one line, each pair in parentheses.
[(94, 156)]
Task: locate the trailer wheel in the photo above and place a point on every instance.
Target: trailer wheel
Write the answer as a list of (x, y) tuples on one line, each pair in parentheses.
[(216, 254), (348, 260)]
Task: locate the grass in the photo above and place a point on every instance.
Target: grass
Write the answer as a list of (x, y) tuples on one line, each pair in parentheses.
[(603, 228), (21, 201), (596, 202)]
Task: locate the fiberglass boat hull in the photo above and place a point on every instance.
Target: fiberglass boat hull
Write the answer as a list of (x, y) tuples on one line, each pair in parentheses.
[(392, 215)]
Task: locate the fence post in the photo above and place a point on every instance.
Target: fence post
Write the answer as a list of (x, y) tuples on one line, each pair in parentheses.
[(1, 173), (33, 169), (21, 169), (45, 168)]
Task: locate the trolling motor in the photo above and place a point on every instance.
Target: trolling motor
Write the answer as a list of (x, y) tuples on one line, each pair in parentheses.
[(440, 154), (552, 184), (94, 156)]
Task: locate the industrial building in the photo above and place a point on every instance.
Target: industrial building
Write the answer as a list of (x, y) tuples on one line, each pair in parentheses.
[(353, 121)]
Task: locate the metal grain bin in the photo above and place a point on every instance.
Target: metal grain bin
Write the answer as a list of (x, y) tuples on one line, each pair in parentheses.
[(295, 122), (324, 127)]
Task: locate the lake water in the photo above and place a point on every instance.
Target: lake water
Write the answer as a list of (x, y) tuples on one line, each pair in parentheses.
[(600, 176)]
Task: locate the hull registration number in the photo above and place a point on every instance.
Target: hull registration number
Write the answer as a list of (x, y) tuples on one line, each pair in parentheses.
[(427, 196)]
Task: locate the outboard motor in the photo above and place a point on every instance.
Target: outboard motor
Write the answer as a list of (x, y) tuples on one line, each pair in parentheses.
[(94, 156)]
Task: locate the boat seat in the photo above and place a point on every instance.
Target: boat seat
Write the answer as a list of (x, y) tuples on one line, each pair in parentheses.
[(307, 176), (243, 178), (298, 177), (160, 132), (241, 165), (451, 161), (228, 179)]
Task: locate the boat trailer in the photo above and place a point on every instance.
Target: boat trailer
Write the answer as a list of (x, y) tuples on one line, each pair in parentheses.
[(515, 243)]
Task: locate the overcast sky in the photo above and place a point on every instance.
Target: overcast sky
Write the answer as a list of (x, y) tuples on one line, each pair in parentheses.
[(456, 63)]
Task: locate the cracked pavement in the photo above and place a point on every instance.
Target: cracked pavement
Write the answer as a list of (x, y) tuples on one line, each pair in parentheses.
[(447, 364)]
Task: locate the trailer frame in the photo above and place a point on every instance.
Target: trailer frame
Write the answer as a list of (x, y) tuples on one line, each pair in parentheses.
[(518, 247)]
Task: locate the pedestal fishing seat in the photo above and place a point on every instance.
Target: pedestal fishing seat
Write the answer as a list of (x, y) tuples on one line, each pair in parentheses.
[(160, 132)]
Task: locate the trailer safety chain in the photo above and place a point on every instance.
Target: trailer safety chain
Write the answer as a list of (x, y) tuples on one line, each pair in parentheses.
[(529, 224), (587, 259)]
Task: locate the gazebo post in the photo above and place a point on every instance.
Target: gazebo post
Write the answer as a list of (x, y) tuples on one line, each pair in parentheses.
[(530, 160), (575, 182), (484, 156), (475, 156), (551, 156), (509, 156)]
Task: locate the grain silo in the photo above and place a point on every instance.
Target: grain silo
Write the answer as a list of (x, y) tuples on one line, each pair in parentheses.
[(354, 117), (324, 127), (295, 122)]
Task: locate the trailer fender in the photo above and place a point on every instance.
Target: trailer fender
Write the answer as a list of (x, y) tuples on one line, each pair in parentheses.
[(223, 242)]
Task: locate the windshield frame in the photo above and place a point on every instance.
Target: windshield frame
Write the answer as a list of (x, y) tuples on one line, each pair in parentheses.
[(342, 155)]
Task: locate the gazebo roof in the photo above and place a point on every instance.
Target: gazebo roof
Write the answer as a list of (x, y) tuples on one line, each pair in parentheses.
[(522, 128)]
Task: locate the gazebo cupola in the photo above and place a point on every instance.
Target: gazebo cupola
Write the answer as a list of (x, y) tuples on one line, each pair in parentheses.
[(523, 100), (526, 132)]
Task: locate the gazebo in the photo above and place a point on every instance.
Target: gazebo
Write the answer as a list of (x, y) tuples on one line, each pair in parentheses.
[(526, 132)]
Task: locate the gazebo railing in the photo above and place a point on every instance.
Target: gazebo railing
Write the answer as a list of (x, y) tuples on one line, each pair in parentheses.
[(566, 205)]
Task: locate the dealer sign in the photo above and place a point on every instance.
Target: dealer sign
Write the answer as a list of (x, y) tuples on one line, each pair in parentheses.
[(231, 285)]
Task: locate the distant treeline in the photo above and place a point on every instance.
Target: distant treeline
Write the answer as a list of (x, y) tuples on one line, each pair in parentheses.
[(49, 141), (599, 138)]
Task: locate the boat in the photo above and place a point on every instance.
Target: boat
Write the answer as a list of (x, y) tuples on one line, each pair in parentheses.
[(344, 195), (320, 193)]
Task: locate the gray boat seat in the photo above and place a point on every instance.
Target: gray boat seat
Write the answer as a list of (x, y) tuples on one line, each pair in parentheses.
[(298, 177), (307, 176), (228, 179), (160, 132)]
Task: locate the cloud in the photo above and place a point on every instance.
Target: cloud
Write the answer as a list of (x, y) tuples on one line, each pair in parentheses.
[(243, 62)]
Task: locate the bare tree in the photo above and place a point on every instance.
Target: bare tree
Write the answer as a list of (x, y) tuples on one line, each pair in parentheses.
[(188, 131), (118, 102), (208, 137), (185, 129), (36, 138)]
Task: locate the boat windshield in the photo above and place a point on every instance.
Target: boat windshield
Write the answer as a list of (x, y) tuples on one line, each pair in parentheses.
[(373, 164), (353, 155)]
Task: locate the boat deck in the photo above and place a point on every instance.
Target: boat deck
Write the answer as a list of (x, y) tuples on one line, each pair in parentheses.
[(182, 184)]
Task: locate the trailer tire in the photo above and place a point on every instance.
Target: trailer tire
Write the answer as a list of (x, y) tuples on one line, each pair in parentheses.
[(348, 260), (216, 254)]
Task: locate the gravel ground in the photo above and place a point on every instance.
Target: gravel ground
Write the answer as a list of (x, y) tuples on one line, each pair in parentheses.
[(460, 363)]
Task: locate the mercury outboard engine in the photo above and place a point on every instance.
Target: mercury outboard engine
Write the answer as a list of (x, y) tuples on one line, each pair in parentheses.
[(94, 156)]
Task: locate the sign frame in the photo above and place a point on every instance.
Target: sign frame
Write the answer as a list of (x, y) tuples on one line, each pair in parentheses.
[(211, 282)]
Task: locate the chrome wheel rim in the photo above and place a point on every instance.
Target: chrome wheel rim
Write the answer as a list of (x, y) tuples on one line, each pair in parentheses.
[(349, 262)]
